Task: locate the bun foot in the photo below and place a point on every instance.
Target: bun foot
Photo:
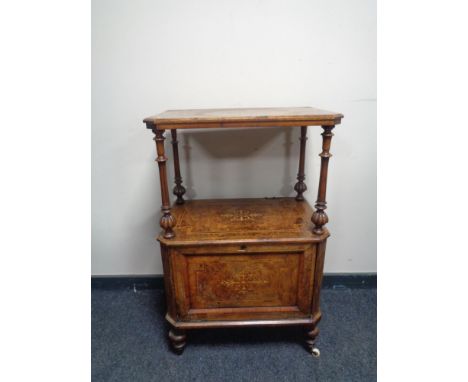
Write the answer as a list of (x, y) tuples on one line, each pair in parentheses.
[(177, 338)]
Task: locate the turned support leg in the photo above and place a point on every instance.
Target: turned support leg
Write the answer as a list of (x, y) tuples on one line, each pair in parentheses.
[(312, 338), (319, 217), (300, 186), (178, 340), (178, 190), (167, 220)]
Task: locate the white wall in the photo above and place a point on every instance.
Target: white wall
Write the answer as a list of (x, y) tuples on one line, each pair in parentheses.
[(150, 55)]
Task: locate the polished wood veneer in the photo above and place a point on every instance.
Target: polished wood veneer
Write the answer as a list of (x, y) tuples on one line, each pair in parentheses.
[(243, 262), (245, 117), (219, 221)]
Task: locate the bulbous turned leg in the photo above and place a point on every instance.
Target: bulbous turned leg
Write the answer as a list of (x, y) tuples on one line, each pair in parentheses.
[(300, 188), (319, 217), (311, 339), (178, 340), (179, 191), (167, 222)]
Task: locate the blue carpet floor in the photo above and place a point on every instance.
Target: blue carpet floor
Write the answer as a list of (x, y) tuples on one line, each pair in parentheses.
[(129, 343)]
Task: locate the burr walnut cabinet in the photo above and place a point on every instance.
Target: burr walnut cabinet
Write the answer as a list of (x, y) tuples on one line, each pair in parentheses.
[(242, 262)]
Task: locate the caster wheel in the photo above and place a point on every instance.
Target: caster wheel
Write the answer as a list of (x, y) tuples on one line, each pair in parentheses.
[(315, 352)]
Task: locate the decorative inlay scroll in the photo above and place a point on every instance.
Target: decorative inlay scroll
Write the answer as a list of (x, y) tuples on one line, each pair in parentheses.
[(244, 282), (241, 216)]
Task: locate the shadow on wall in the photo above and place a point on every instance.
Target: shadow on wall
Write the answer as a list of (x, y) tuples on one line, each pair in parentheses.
[(245, 144), (241, 143)]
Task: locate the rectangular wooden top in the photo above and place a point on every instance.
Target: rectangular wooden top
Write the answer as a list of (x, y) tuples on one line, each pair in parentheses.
[(221, 221), (249, 117)]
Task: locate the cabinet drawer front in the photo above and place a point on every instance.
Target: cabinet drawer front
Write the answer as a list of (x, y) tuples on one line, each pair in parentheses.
[(226, 285)]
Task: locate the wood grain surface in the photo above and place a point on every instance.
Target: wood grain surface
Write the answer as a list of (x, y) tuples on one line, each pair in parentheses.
[(222, 221), (259, 282), (244, 117)]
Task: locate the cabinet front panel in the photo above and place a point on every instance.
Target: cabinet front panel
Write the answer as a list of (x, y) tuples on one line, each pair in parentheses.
[(266, 285), (225, 281)]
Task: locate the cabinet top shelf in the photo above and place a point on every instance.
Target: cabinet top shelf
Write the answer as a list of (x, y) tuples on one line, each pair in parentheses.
[(246, 117)]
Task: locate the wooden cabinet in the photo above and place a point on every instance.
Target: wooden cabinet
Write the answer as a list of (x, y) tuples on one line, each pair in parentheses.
[(243, 262)]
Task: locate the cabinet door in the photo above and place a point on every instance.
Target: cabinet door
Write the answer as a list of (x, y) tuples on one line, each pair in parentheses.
[(244, 282)]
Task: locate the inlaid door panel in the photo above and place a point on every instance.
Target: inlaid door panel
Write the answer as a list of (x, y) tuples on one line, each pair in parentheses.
[(226, 281), (227, 285)]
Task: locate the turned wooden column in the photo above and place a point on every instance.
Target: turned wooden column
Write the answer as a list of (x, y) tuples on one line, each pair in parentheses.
[(178, 190), (167, 220), (300, 186), (319, 217)]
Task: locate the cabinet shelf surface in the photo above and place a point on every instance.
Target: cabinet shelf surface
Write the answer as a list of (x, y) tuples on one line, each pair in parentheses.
[(221, 221)]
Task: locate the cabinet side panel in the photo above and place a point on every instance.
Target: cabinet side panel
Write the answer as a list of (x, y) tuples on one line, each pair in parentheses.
[(318, 276), (168, 281), (179, 271), (306, 280)]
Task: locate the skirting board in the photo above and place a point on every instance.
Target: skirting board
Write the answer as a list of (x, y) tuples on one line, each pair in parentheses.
[(330, 281)]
